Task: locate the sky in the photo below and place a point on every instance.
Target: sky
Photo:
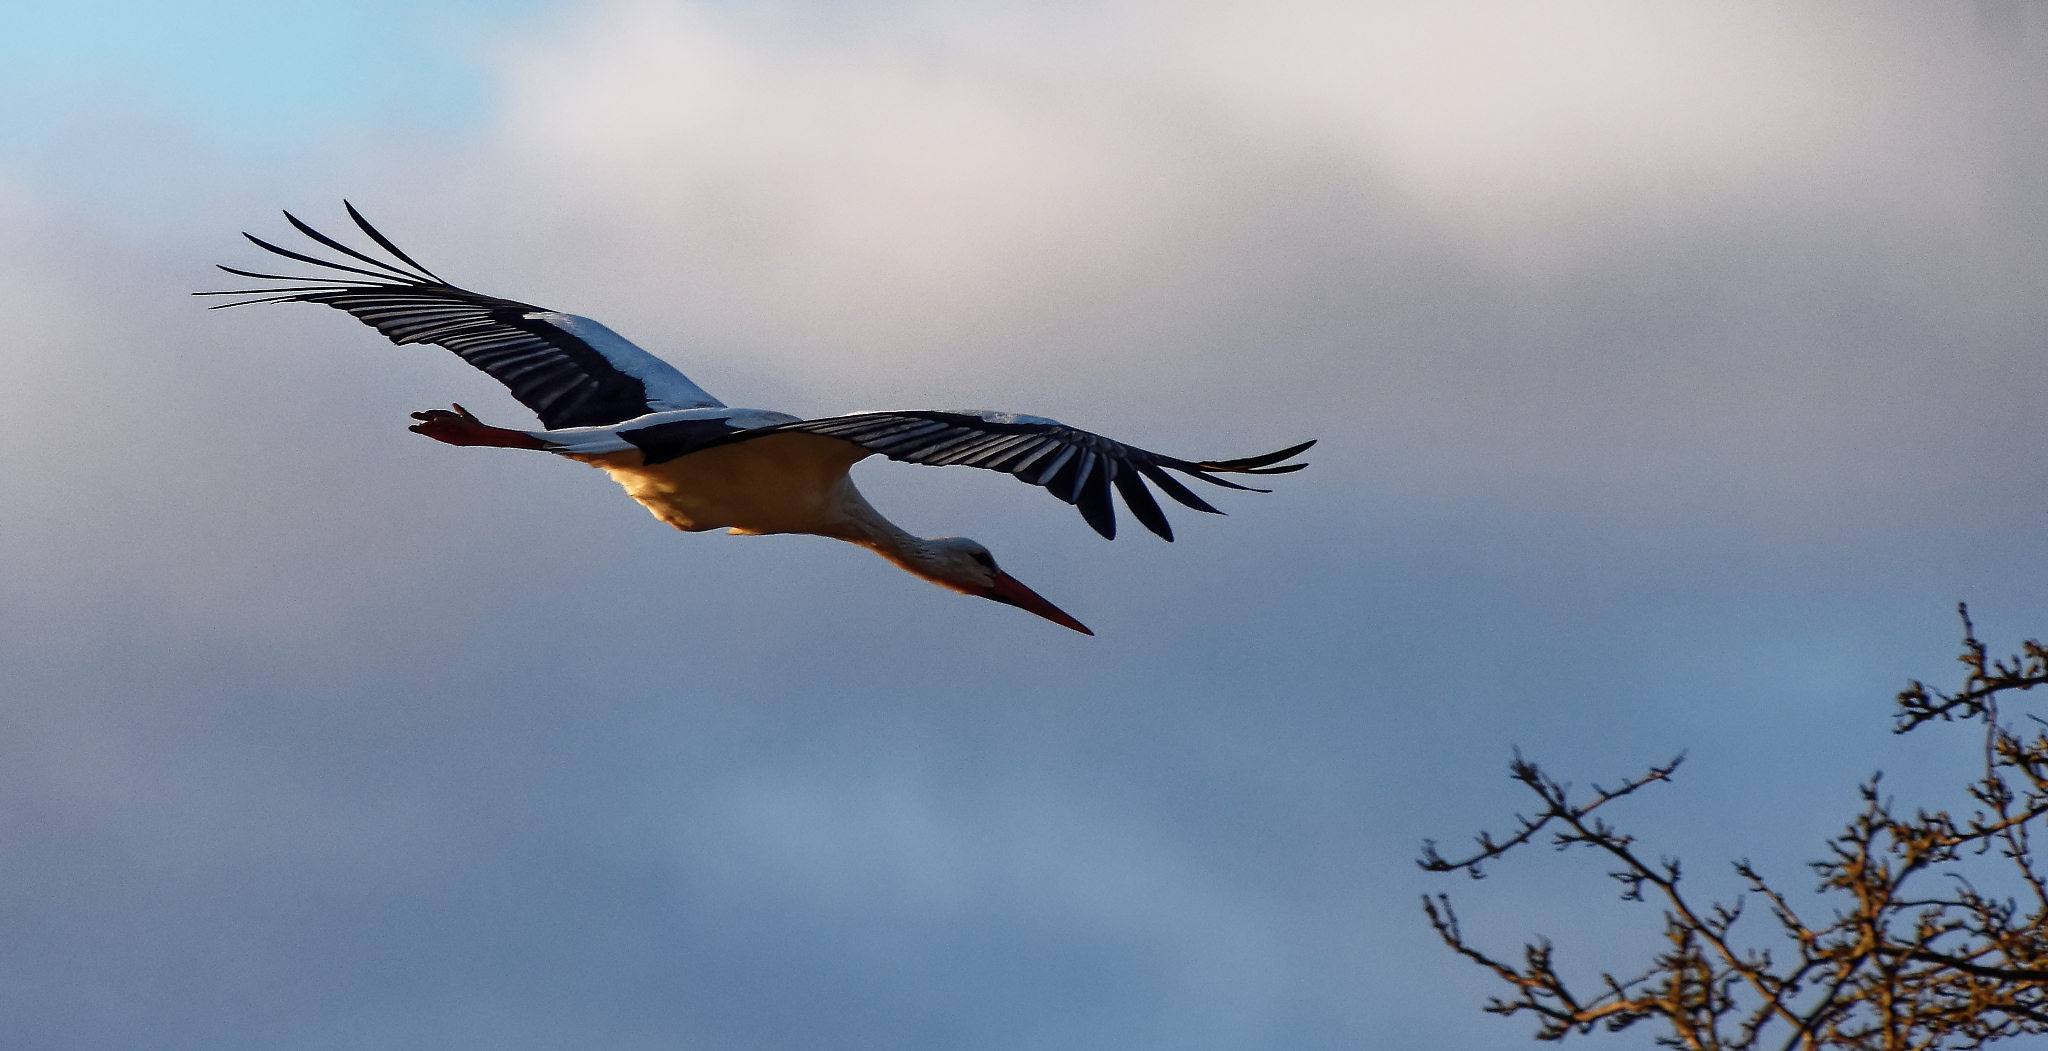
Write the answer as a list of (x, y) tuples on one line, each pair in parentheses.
[(1676, 370)]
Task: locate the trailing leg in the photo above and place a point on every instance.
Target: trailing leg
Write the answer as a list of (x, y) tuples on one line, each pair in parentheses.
[(462, 428)]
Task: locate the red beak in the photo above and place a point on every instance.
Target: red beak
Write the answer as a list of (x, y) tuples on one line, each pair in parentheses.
[(1011, 593)]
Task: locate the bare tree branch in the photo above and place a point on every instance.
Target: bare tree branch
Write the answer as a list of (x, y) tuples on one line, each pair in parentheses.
[(1894, 969)]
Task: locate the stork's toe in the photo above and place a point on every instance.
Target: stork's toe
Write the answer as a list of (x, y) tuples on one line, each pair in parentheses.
[(461, 427), (455, 428)]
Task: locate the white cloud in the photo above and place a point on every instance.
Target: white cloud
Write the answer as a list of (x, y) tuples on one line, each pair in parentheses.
[(1492, 112), (1454, 228), (843, 185), (926, 158)]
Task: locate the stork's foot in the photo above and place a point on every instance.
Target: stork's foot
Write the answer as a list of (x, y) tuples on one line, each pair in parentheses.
[(462, 428)]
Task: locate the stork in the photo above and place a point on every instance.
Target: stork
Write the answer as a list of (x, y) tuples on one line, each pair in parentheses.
[(698, 464)]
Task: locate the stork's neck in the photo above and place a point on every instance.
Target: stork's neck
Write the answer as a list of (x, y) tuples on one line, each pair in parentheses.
[(857, 522)]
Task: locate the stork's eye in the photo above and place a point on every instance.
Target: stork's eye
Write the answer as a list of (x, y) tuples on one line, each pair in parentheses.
[(984, 558)]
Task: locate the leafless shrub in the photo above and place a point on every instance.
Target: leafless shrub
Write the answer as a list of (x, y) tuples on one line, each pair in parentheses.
[(1912, 955)]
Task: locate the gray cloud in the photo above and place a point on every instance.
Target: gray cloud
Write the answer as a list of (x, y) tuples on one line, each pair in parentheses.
[(1674, 371)]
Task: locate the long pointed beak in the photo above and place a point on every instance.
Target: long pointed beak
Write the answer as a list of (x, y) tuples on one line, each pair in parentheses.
[(1011, 593)]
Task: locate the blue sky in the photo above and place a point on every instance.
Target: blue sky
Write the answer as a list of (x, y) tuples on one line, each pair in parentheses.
[(254, 75), (1675, 372)]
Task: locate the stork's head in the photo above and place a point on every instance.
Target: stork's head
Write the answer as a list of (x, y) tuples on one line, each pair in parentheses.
[(967, 567)]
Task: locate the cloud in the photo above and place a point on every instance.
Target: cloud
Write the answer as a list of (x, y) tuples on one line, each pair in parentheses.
[(1672, 370), (1595, 247), (828, 188)]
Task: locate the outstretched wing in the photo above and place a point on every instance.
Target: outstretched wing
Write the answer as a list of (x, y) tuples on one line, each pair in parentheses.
[(571, 371), (1075, 465)]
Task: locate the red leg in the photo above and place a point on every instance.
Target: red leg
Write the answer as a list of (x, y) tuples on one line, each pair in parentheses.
[(461, 428)]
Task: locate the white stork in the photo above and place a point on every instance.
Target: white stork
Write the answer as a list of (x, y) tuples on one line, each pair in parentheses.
[(699, 465)]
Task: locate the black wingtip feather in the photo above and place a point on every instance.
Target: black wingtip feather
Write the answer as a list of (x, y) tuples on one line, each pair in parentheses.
[(386, 242), (303, 258), (324, 282), (1224, 482), (1172, 487), (1247, 463), (243, 302), (1095, 503), (1139, 500), (346, 250)]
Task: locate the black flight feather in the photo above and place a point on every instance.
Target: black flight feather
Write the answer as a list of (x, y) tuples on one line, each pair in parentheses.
[(556, 372), (385, 243), (1095, 505), (1076, 466), (350, 252), (1139, 499)]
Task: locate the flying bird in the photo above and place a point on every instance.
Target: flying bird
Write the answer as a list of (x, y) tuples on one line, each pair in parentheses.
[(698, 464)]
